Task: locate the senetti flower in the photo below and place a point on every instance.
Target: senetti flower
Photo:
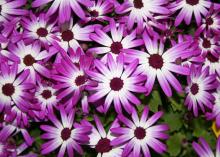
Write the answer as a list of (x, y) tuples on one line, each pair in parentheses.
[(140, 134), (188, 8), (65, 8), (142, 10), (29, 57), (203, 149), (100, 140), (116, 84), (116, 42), (64, 134), (213, 63), (9, 9), (38, 28), (159, 63), (200, 85)]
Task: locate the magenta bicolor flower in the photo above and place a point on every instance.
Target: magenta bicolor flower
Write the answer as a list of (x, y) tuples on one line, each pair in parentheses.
[(116, 83), (215, 114), (140, 134), (39, 28), (157, 62), (200, 85), (203, 149), (213, 63), (99, 10), (70, 37), (100, 140), (142, 10), (65, 8), (64, 134), (9, 9), (29, 57), (14, 89), (116, 42), (71, 78)]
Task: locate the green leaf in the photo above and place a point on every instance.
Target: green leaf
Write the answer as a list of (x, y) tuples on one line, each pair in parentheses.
[(174, 120), (174, 144), (155, 101), (175, 105)]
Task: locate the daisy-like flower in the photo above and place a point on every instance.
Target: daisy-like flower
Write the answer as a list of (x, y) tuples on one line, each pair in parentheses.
[(65, 8), (38, 28), (116, 83), (203, 149), (142, 10), (116, 42), (29, 57), (215, 114), (200, 85), (70, 37), (157, 62), (188, 8), (9, 9), (13, 89), (213, 63), (140, 134), (99, 10), (71, 78), (100, 140), (64, 134)]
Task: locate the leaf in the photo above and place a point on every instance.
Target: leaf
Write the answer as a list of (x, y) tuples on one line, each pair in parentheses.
[(174, 120), (174, 144), (175, 105), (155, 101)]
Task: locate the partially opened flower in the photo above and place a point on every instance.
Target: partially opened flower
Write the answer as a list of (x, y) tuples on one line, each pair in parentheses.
[(203, 149), (159, 63), (116, 84), (100, 140), (9, 9), (39, 28), (141, 133), (188, 8), (141, 10), (116, 42), (64, 134), (65, 8), (200, 85)]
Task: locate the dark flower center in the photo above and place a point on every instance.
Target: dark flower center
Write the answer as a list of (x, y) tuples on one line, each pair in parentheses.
[(206, 43), (67, 35), (103, 146), (209, 21), (94, 13), (0, 8), (42, 32), (192, 2), (139, 133), (8, 89), (46, 94), (116, 47), (138, 4), (29, 60), (211, 58), (65, 134), (194, 88), (156, 61), (80, 80), (116, 84)]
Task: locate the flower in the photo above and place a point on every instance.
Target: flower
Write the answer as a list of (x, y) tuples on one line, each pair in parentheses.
[(9, 9), (212, 63), (116, 83), (100, 140), (139, 134), (65, 8), (200, 85), (157, 62), (116, 42), (142, 10), (64, 134), (29, 57), (39, 28), (204, 150)]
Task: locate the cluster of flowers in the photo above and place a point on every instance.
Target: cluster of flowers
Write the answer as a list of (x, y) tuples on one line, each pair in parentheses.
[(60, 57)]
